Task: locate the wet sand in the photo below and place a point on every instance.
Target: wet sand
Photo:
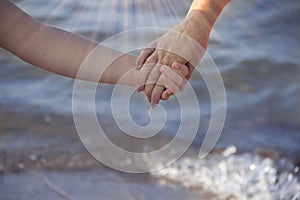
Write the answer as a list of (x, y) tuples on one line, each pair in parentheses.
[(42, 157)]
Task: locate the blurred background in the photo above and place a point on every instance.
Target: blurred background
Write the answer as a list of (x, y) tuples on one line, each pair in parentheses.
[(256, 46)]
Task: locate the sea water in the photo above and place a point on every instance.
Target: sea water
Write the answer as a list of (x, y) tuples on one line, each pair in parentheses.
[(255, 45)]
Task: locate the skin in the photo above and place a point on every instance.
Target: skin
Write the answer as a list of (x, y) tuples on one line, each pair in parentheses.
[(62, 52), (196, 26)]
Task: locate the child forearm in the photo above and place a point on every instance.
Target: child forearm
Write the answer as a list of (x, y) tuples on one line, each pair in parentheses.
[(66, 53), (54, 49), (63, 53), (41, 45)]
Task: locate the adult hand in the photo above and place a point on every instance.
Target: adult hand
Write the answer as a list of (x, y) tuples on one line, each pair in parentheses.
[(185, 44)]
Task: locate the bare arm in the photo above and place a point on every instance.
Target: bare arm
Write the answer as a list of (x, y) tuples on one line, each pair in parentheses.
[(54, 49), (184, 40), (63, 53), (210, 9)]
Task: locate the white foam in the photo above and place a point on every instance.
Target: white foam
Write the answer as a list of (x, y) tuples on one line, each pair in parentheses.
[(244, 176)]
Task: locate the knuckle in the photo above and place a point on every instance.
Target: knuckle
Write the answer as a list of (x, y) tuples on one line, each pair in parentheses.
[(151, 59), (180, 80), (151, 80), (163, 68), (160, 88), (163, 77), (165, 60), (140, 80), (154, 76), (185, 72), (148, 90)]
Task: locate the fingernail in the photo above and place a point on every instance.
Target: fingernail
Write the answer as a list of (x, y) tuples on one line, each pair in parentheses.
[(141, 88), (154, 105), (138, 66), (162, 69), (155, 100), (183, 86), (175, 66)]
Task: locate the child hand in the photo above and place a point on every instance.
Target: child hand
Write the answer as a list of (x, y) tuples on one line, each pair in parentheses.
[(172, 78), (181, 70)]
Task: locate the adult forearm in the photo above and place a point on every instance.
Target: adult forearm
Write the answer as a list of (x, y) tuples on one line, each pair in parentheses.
[(208, 10)]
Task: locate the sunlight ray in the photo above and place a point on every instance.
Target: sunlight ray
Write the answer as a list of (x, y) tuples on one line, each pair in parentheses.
[(141, 12), (78, 21), (99, 21), (173, 11), (185, 4), (140, 18), (127, 13), (151, 13), (56, 11), (119, 20), (165, 10), (169, 14), (124, 19), (112, 15), (135, 14)]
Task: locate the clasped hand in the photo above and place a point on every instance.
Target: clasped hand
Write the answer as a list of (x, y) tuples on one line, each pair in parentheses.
[(181, 49)]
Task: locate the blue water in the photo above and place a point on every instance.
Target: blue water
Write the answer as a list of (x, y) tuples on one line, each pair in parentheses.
[(255, 44)]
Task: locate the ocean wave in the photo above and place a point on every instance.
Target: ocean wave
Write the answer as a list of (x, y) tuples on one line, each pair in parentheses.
[(235, 176)]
